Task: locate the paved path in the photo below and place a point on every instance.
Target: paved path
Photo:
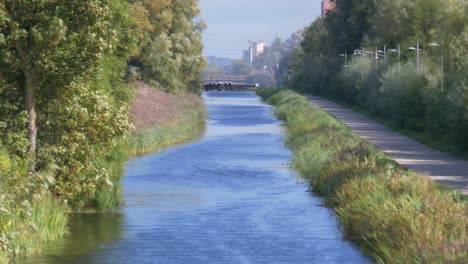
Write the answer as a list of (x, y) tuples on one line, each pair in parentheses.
[(415, 156)]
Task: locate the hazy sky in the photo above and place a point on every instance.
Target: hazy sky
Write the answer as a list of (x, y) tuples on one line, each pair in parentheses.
[(231, 23)]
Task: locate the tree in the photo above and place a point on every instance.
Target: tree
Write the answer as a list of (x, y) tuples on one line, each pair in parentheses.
[(241, 67), (349, 23), (46, 45), (171, 52)]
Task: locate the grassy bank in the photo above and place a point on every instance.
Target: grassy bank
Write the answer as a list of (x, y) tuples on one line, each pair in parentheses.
[(161, 119), (393, 215), (30, 216)]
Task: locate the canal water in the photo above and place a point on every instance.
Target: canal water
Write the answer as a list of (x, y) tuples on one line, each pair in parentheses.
[(227, 198)]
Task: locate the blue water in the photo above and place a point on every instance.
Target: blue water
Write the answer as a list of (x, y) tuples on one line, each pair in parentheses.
[(229, 197)]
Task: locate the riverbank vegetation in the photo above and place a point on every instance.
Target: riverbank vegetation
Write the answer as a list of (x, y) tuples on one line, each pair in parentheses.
[(66, 69), (161, 119), (364, 54), (393, 215)]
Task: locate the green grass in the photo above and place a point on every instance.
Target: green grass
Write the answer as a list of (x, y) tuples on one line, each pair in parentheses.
[(183, 128), (395, 216), (33, 226), (49, 217)]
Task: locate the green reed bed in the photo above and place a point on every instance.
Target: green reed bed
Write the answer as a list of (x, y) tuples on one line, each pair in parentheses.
[(30, 217), (395, 216)]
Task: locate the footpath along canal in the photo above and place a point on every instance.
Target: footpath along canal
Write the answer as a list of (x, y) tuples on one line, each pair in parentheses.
[(227, 198)]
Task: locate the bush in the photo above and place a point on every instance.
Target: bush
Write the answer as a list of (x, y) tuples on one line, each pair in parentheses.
[(402, 96)]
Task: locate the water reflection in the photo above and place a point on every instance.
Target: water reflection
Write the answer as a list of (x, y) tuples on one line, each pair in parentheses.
[(227, 198), (89, 233)]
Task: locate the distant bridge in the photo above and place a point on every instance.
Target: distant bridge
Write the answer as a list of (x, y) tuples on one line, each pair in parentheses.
[(225, 78), (228, 86), (219, 82)]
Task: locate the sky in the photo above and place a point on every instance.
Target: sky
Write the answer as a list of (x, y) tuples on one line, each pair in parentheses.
[(232, 23)]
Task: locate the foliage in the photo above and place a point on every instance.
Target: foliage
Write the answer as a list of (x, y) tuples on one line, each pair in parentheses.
[(241, 67), (401, 94), (212, 69), (422, 103), (64, 102), (275, 62), (29, 215), (395, 218), (53, 48), (270, 57), (170, 56)]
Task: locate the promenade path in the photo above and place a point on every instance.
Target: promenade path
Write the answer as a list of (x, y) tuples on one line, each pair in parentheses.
[(440, 167)]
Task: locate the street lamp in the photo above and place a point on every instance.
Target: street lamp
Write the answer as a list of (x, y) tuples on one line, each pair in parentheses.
[(345, 55), (383, 53), (373, 54), (362, 53), (417, 55), (441, 62), (398, 51)]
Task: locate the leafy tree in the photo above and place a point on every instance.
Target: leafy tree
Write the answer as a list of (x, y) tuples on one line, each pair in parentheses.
[(171, 52), (286, 60), (349, 23), (270, 57), (415, 100), (46, 45), (241, 67)]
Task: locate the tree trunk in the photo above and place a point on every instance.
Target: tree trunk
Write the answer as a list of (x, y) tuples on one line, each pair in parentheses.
[(30, 104)]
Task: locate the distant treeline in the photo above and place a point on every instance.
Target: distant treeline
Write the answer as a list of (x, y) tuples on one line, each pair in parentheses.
[(364, 54), (65, 67)]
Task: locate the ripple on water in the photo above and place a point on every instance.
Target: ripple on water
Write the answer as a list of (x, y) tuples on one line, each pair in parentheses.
[(227, 198)]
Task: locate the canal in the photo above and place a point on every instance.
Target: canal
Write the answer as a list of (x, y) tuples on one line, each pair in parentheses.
[(229, 197)]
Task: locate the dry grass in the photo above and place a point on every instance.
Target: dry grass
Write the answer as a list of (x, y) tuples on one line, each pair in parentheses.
[(162, 119), (153, 107)]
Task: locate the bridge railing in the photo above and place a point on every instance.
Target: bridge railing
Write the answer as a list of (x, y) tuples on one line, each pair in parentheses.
[(210, 86)]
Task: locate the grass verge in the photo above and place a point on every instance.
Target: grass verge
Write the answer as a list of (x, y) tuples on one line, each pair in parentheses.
[(163, 119), (187, 127), (394, 216)]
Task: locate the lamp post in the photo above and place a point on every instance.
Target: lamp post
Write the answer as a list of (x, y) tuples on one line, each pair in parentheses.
[(365, 52), (441, 62), (376, 58), (345, 55), (398, 51), (417, 55), (377, 54), (384, 53), (362, 64), (362, 53)]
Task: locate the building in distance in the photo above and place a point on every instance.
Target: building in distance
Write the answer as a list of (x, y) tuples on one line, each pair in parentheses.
[(255, 49), (327, 6)]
